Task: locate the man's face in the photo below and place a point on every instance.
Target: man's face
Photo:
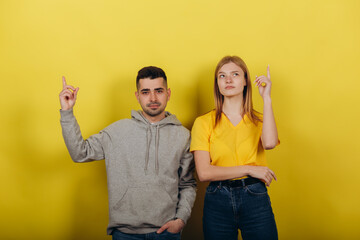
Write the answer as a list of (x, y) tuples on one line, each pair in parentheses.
[(153, 96)]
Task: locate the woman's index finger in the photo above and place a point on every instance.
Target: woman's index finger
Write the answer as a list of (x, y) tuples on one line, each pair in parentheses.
[(268, 71), (64, 81)]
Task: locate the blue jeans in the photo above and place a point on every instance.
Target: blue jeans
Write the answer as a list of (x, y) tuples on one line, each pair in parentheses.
[(227, 209), (165, 235)]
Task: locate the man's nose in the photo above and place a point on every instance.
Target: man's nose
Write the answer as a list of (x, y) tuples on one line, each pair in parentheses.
[(152, 96)]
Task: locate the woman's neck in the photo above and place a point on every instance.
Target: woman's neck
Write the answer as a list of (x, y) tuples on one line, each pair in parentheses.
[(233, 106)]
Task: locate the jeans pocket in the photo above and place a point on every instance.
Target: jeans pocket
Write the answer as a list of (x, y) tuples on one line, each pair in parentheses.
[(170, 235), (256, 189), (212, 189)]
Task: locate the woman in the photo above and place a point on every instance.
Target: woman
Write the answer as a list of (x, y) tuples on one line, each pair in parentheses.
[(228, 145)]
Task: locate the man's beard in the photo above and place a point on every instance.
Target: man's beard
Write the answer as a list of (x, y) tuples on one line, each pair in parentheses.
[(155, 112)]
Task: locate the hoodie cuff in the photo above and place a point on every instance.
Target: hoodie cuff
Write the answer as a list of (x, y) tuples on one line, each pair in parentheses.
[(66, 115), (183, 216)]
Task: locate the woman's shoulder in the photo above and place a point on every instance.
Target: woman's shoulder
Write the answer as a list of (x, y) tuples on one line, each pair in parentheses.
[(255, 118), (206, 117), (206, 120), (258, 114)]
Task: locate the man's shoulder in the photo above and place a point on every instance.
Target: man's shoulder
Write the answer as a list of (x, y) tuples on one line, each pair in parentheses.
[(178, 128), (184, 130), (122, 124), (176, 131)]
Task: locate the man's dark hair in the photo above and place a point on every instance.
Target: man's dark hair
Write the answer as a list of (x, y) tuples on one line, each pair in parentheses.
[(152, 73)]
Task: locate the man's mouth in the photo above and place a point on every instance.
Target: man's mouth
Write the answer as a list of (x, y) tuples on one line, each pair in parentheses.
[(153, 105)]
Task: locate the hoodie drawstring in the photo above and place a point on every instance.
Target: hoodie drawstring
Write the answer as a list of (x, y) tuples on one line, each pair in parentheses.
[(156, 150), (148, 140)]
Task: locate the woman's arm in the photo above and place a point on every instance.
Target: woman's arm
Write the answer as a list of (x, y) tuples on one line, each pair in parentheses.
[(208, 172), (269, 135)]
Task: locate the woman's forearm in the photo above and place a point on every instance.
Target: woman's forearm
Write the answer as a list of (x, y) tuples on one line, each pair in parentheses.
[(216, 173), (207, 172), (269, 136)]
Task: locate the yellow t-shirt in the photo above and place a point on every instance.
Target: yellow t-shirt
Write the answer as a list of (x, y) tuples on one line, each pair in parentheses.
[(227, 144)]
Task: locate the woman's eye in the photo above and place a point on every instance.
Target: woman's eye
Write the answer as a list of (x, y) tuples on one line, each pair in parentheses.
[(236, 74), (221, 76)]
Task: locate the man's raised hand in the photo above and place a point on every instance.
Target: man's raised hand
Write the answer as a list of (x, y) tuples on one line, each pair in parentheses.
[(67, 96)]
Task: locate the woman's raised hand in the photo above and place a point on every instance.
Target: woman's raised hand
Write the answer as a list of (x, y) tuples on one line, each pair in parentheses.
[(67, 96), (264, 84)]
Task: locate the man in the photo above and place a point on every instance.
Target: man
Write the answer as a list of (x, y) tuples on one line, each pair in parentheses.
[(149, 167)]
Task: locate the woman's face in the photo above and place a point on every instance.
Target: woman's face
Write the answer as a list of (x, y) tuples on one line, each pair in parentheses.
[(231, 80)]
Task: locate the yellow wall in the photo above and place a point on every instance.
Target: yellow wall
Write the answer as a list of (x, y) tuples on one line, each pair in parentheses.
[(313, 48)]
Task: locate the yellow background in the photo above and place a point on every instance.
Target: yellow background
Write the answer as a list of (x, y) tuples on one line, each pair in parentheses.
[(313, 48)]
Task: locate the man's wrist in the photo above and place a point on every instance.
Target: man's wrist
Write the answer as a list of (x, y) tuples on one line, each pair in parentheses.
[(180, 221), (65, 109)]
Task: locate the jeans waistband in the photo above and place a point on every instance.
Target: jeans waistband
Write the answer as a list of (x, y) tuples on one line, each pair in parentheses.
[(236, 183)]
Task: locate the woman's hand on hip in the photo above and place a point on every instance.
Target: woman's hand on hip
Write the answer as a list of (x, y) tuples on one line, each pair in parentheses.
[(263, 173)]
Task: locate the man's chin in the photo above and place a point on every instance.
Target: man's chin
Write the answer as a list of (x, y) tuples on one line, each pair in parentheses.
[(153, 113)]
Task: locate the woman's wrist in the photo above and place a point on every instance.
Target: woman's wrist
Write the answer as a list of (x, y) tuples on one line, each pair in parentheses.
[(267, 99), (247, 170)]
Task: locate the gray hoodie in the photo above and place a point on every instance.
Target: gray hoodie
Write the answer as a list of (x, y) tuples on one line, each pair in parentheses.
[(149, 169)]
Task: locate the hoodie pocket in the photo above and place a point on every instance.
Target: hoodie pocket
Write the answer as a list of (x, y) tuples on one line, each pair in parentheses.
[(145, 205)]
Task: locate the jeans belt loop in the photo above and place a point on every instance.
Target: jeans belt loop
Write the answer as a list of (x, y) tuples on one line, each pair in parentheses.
[(243, 182)]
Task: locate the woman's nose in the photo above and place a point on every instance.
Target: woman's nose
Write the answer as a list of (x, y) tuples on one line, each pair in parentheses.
[(228, 79)]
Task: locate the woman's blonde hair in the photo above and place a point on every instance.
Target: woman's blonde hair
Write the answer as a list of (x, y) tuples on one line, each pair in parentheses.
[(247, 95)]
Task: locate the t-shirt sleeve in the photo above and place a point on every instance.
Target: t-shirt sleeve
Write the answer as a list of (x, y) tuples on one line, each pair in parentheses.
[(200, 135)]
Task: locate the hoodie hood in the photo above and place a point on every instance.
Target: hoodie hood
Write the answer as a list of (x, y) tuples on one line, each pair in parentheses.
[(169, 119)]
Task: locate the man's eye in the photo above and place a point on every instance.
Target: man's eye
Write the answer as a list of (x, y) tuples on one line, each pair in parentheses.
[(159, 91), (144, 93)]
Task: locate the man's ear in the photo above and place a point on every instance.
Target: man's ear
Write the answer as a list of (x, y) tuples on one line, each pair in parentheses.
[(169, 93), (137, 95)]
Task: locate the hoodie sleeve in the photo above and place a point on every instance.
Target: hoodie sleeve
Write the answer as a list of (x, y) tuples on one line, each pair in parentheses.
[(187, 185), (80, 150)]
